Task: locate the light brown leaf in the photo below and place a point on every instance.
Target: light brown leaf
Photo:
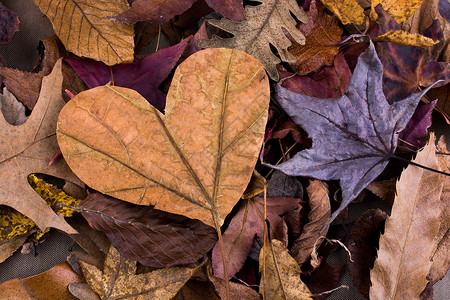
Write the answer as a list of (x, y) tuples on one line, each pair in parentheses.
[(13, 111), (400, 9), (28, 148), (282, 274), (24, 85), (405, 38), (237, 291), (323, 34), (263, 24), (9, 246), (348, 11), (318, 217), (51, 284), (85, 29), (196, 160), (119, 280), (406, 246)]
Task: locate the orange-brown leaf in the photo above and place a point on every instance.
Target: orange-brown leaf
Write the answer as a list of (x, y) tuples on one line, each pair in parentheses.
[(406, 246), (196, 160)]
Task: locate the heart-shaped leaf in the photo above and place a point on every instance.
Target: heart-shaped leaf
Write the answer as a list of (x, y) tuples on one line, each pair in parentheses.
[(196, 160)]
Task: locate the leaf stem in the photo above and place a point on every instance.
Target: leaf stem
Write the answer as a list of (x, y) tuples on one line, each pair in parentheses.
[(264, 242), (418, 165), (224, 261)]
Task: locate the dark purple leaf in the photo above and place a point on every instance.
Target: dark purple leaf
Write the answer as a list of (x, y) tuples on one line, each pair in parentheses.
[(144, 75), (417, 128), (353, 136), (150, 236), (444, 9), (9, 24)]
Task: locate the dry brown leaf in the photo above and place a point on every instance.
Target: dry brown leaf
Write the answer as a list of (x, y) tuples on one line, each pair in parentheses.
[(323, 34), (264, 24), (281, 277), (196, 160), (13, 111), (24, 85), (85, 29), (406, 246), (9, 246), (237, 291), (119, 280), (255, 186), (405, 38), (320, 214), (384, 189), (348, 11), (400, 9), (28, 148), (198, 290), (51, 284)]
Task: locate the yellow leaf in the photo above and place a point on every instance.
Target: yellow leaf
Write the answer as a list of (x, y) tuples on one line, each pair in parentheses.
[(403, 260), (348, 11), (282, 274), (405, 38), (400, 9), (85, 29)]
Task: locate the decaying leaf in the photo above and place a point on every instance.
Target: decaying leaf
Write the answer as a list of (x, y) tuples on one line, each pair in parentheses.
[(400, 9), (119, 280), (248, 222), (15, 80), (403, 259), (33, 147), (318, 217), (264, 24), (84, 28), (282, 274), (153, 238), (405, 38), (196, 160), (322, 38), (356, 132), (51, 284), (348, 11), (237, 291)]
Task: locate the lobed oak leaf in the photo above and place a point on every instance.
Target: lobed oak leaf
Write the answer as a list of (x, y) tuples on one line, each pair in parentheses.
[(152, 237), (144, 75), (51, 284), (265, 25), (322, 38), (33, 147), (281, 277), (403, 259), (119, 280), (196, 160), (247, 223), (353, 136), (85, 30)]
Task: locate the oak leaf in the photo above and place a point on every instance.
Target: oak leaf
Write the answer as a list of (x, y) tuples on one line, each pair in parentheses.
[(51, 284), (84, 28), (403, 259), (34, 144), (353, 136), (119, 280), (264, 26), (144, 75), (248, 222), (322, 38), (152, 237), (196, 160), (281, 277)]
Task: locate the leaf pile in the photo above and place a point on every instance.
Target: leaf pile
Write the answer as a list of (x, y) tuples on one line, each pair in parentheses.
[(214, 149)]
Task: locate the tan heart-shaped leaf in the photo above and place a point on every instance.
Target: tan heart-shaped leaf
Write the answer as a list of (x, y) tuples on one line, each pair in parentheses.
[(196, 160)]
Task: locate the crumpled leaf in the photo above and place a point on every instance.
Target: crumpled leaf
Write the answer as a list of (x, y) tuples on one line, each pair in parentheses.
[(282, 274), (9, 24), (403, 259), (255, 186), (119, 280), (400, 9), (318, 217), (152, 237), (322, 38), (13, 111), (84, 29), (405, 67), (144, 75), (153, 11), (51, 284), (365, 234), (405, 38), (248, 222), (196, 160), (348, 11), (33, 148), (264, 24), (330, 82), (356, 132)]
